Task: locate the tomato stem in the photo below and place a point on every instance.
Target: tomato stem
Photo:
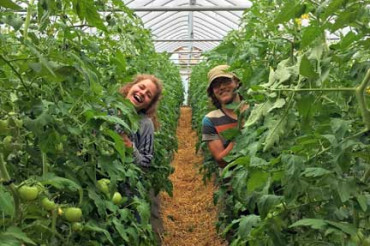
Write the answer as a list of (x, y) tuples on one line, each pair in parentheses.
[(360, 90), (55, 233), (16, 72), (44, 164), (54, 215), (314, 89), (356, 221), (4, 174), (27, 21)]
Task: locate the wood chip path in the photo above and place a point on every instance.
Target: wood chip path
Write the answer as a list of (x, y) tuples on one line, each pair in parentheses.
[(189, 216)]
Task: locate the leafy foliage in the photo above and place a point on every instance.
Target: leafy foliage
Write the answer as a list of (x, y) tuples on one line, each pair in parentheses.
[(299, 171), (62, 63)]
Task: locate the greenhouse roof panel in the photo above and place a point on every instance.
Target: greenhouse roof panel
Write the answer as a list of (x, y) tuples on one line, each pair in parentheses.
[(194, 23)]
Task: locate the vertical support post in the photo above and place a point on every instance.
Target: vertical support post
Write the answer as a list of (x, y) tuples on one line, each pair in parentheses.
[(190, 45)]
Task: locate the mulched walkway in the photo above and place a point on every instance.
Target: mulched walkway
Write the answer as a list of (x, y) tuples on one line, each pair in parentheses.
[(189, 216)]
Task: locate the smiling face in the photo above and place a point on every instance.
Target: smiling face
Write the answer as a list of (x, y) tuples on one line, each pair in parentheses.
[(224, 90), (142, 93)]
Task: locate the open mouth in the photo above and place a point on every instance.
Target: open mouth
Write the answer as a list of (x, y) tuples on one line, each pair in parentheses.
[(138, 98)]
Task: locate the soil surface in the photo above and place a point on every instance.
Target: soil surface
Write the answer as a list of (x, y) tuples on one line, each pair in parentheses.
[(189, 217)]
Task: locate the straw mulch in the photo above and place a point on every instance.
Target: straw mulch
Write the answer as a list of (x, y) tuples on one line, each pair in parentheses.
[(189, 216)]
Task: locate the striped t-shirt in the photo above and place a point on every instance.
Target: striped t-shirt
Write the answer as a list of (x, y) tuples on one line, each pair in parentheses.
[(216, 122)]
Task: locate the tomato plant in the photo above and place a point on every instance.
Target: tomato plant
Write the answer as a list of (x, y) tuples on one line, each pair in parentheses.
[(62, 63), (299, 171)]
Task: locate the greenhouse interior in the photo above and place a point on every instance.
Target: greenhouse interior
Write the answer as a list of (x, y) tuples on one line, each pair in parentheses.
[(185, 122)]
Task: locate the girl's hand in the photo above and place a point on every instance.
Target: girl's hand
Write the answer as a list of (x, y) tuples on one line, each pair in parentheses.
[(126, 140)]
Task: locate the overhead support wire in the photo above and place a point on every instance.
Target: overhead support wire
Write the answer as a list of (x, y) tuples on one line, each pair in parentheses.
[(189, 8)]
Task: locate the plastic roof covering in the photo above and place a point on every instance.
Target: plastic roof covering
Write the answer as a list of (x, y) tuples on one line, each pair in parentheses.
[(176, 25)]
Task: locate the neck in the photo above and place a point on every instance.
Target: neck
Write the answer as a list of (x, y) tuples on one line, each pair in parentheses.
[(230, 112)]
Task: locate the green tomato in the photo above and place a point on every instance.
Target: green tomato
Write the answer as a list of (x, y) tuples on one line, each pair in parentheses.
[(7, 141), (102, 185), (18, 123), (28, 193), (47, 204), (73, 214), (77, 226), (269, 216), (4, 127), (117, 198), (59, 147)]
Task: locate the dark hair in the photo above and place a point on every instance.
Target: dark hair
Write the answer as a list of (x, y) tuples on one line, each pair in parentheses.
[(151, 110), (210, 93)]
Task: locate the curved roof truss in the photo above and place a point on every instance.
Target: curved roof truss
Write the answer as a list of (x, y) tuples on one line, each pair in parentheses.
[(166, 18), (188, 26)]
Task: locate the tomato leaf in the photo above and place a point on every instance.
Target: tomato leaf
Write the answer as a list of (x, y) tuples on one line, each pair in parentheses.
[(91, 225), (121, 229), (306, 69), (98, 201), (310, 34), (10, 5), (258, 112), (343, 19), (256, 179), (86, 10), (333, 7), (144, 211), (345, 227), (15, 233), (61, 183), (287, 12), (314, 172), (118, 143), (6, 202), (266, 202), (313, 223), (362, 201), (230, 134), (246, 224)]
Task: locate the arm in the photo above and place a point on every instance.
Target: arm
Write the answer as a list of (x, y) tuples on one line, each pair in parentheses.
[(214, 142), (219, 152), (143, 145)]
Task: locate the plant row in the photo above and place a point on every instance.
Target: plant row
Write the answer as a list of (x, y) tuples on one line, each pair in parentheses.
[(299, 171), (66, 176)]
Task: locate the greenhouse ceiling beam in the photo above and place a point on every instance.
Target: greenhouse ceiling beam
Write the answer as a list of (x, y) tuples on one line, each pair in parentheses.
[(166, 9), (171, 47), (187, 40), (188, 8)]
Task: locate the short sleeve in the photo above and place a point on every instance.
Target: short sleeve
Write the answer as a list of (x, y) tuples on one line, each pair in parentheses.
[(208, 130)]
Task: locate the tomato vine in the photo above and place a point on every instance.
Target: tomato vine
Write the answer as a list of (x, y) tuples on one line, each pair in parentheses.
[(62, 63), (300, 166)]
